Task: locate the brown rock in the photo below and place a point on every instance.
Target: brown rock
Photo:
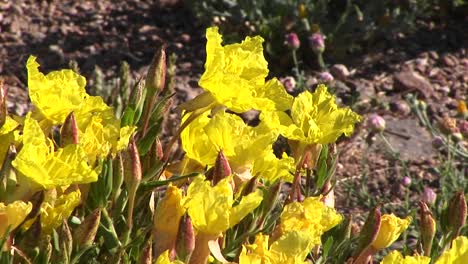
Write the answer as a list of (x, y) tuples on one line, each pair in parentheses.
[(340, 71), (408, 81)]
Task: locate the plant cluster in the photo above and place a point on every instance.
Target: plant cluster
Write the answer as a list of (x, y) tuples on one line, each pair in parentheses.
[(79, 185)]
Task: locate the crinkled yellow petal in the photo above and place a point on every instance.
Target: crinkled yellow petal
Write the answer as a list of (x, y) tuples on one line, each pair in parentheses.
[(164, 259), (457, 254), (391, 228), (396, 257), (52, 216), (12, 215), (7, 137), (38, 161), (270, 168), (292, 247), (310, 216), (277, 97), (209, 207), (245, 206), (56, 94)]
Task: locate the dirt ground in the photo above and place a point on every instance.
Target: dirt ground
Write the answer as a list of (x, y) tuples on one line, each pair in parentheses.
[(431, 63)]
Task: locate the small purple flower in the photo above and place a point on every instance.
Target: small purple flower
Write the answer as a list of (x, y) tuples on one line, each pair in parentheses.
[(406, 181), (292, 41), (437, 142), (289, 83), (429, 196), (326, 77), (317, 42), (376, 123)]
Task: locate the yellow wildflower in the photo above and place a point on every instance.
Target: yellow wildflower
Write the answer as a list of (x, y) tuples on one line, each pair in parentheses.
[(241, 144), (457, 254), (12, 215), (164, 259), (166, 219), (8, 136), (396, 257), (53, 212), (235, 76), (291, 248), (270, 168), (391, 228), (211, 208), (59, 93), (38, 161), (310, 216), (315, 118)]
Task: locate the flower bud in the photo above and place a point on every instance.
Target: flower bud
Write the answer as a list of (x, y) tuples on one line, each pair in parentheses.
[(222, 169), (289, 83), (3, 104), (84, 235), (457, 213), (429, 196), (406, 181), (156, 76), (317, 43), (302, 11), (326, 77), (329, 195), (368, 235), (185, 243), (437, 142), (69, 131), (428, 228), (292, 41), (159, 149), (132, 175), (376, 123)]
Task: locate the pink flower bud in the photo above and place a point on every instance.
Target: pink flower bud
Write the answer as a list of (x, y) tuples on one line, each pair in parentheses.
[(429, 196), (289, 83), (437, 142), (406, 181), (326, 77), (376, 123), (292, 41), (317, 43), (463, 127)]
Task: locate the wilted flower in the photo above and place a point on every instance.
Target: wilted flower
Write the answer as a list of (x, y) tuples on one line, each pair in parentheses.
[(292, 41), (391, 228), (326, 77), (317, 43), (289, 83), (376, 123), (462, 109), (429, 196), (396, 257), (448, 125)]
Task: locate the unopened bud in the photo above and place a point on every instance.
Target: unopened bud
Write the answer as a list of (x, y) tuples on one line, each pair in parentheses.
[(3, 104), (302, 11), (317, 43), (376, 123), (368, 233), (69, 131), (457, 213), (159, 149), (437, 142), (185, 243), (156, 76), (429, 196), (132, 175), (222, 169), (406, 181), (292, 41), (84, 235), (428, 228)]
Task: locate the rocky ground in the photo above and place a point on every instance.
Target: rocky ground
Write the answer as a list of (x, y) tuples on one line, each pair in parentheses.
[(431, 63)]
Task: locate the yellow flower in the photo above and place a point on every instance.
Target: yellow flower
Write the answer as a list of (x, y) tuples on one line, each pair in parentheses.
[(396, 257), (310, 216), (12, 215), (315, 118), (166, 219), (211, 208), (270, 168), (241, 144), (59, 93), (164, 259), (457, 254), (291, 248), (8, 136), (391, 228), (38, 161), (53, 212), (235, 76)]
